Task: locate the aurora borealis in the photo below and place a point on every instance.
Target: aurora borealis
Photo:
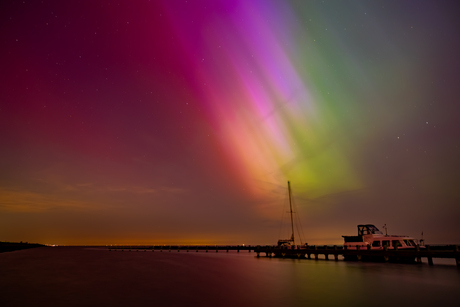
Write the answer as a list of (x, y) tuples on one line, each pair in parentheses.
[(181, 121)]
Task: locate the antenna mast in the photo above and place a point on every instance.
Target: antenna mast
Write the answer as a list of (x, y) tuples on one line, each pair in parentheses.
[(290, 207)]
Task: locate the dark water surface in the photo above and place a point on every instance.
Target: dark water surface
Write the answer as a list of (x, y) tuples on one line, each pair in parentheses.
[(89, 276)]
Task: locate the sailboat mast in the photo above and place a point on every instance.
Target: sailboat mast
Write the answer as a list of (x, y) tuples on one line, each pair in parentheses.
[(290, 207)]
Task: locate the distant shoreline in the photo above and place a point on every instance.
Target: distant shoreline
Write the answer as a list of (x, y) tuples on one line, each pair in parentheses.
[(14, 246)]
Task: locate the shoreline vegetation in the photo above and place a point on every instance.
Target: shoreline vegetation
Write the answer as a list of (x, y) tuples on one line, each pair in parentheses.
[(14, 246)]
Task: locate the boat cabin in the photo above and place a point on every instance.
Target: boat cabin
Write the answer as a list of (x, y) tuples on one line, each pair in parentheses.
[(368, 229), (285, 243)]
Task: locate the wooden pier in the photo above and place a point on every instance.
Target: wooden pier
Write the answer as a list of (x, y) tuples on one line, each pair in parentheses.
[(183, 248), (312, 252), (386, 255)]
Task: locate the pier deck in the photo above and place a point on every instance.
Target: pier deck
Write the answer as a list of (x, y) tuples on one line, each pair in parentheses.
[(184, 248), (387, 255), (314, 251)]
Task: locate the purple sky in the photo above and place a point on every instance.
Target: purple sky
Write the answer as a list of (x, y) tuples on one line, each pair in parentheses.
[(181, 121)]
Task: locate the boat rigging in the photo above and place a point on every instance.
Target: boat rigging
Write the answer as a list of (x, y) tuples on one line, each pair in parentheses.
[(291, 240)]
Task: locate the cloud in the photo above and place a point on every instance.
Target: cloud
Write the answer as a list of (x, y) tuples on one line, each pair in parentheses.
[(73, 196), (17, 200), (91, 188)]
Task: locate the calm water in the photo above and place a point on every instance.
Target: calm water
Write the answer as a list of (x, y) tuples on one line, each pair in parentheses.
[(80, 276)]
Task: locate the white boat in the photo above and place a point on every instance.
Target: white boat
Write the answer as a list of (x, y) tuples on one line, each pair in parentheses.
[(370, 237)]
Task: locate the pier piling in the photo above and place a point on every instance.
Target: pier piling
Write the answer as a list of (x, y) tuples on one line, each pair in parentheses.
[(361, 253), (430, 259)]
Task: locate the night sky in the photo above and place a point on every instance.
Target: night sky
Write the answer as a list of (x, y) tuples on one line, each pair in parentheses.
[(155, 122)]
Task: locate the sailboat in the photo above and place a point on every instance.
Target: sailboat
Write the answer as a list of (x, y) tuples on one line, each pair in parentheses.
[(290, 241)]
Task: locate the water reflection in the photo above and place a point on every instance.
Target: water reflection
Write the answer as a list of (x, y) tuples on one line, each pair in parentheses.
[(91, 276)]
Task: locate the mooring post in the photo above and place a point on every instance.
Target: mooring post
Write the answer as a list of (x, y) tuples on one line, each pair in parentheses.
[(396, 249), (326, 253), (417, 252), (385, 257), (358, 249), (430, 259), (457, 258)]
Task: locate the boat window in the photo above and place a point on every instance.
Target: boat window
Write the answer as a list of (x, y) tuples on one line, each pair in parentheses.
[(385, 243), (409, 242), (396, 243), (368, 229), (362, 230), (373, 229), (376, 244)]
